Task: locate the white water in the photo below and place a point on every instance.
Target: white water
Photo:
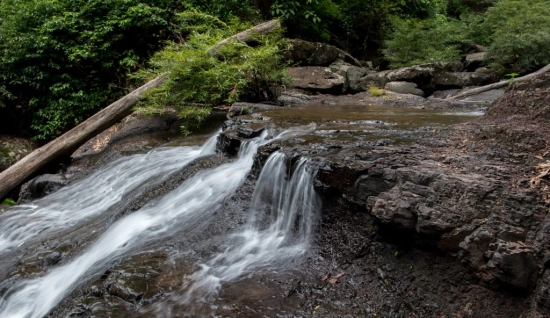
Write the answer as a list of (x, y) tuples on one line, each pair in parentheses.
[(194, 200), (93, 194), (281, 220)]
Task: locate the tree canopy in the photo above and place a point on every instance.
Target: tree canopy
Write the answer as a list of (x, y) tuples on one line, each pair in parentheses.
[(63, 60)]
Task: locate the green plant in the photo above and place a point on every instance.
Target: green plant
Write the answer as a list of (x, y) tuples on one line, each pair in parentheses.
[(425, 41), (520, 34), (198, 75), (9, 202), (61, 61), (376, 92)]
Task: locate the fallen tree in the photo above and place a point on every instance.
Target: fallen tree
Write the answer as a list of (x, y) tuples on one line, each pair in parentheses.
[(479, 90), (67, 143)]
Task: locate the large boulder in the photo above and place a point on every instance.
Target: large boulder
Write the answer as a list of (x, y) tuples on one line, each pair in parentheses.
[(421, 75), (404, 88), (354, 76), (316, 54), (317, 79), (474, 61), (41, 186)]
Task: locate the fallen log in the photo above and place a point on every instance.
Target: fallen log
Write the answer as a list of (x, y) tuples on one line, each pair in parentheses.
[(69, 142), (479, 90), (249, 34)]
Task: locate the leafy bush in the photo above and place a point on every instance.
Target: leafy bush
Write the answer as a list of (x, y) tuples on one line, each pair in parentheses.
[(198, 75), (520, 39), (61, 61), (425, 41)]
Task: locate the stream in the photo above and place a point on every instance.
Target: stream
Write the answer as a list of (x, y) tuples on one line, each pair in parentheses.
[(274, 233)]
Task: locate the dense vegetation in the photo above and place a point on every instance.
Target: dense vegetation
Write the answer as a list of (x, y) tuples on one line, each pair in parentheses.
[(62, 60)]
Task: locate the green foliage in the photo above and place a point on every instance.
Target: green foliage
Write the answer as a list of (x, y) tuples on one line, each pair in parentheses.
[(61, 61), (520, 34), (9, 202), (425, 41), (376, 92), (310, 19), (197, 74)]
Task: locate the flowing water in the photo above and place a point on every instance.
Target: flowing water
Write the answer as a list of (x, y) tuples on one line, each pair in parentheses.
[(94, 194), (278, 229), (281, 220), (185, 208)]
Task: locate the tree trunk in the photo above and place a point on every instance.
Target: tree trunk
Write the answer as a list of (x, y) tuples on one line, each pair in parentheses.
[(69, 142), (479, 90)]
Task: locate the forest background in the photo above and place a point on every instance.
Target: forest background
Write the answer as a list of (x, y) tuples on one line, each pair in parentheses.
[(63, 60)]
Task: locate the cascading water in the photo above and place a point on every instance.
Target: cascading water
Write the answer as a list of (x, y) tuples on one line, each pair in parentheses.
[(281, 219), (184, 208), (94, 194)]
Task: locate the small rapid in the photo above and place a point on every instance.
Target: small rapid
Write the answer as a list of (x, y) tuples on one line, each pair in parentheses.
[(94, 194), (282, 217), (183, 208)]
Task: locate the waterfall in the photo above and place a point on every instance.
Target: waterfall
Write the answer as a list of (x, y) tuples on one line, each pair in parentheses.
[(184, 208), (94, 194), (281, 220)]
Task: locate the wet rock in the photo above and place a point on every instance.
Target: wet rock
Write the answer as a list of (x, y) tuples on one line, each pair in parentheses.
[(249, 133), (403, 88), (514, 263), (317, 79), (316, 54), (41, 186), (53, 259)]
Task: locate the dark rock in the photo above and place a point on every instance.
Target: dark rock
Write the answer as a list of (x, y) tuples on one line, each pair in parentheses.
[(474, 61), (514, 263), (543, 294), (317, 79), (249, 133), (403, 88), (474, 247), (53, 259), (354, 76), (41, 186), (316, 54)]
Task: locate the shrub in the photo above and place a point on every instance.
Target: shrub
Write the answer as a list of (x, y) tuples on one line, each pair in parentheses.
[(61, 61), (376, 92), (198, 76), (425, 41), (520, 34)]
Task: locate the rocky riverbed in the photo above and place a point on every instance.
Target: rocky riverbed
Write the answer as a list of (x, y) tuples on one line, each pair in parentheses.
[(426, 213)]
